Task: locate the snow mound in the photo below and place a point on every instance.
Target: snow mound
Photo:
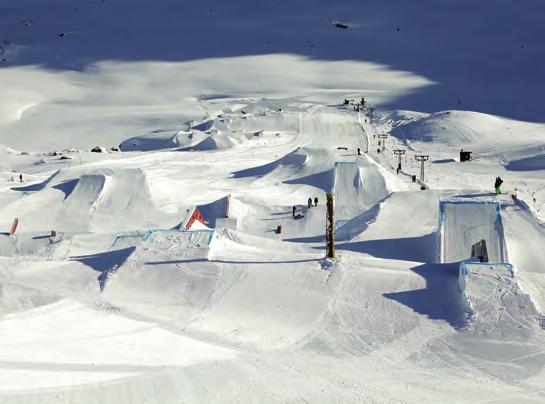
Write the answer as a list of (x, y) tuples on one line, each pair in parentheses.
[(359, 185), (290, 164), (493, 299), (80, 203), (233, 245), (209, 142), (465, 129), (155, 140)]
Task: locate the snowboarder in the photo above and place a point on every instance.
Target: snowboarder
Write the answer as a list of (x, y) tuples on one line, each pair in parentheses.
[(309, 202), (21, 177), (497, 185), (315, 201), (293, 210)]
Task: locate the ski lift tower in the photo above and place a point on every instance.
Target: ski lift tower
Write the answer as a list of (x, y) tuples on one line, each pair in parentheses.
[(422, 158), (399, 153), (383, 136)]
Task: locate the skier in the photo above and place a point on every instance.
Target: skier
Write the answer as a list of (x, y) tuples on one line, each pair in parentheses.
[(279, 229), (316, 201), (21, 177), (359, 151), (309, 202), (497, 185), (293, 211)]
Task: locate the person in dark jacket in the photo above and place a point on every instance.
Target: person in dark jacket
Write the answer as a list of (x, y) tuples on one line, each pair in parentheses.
[(293, 210), (497, 185), (309, 202), (316, 201)]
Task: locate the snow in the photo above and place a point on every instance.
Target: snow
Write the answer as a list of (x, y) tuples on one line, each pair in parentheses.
[(466, 223), (236, 108)]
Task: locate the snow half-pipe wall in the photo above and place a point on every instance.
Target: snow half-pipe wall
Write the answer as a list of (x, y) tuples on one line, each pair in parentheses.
[(464, 223)]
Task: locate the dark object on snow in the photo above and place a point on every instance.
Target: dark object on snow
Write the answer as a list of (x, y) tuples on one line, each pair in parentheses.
[(309, 203), (422, 187), (315, 201), (21, 177), (279, 229), (359, 151), (97, 149), (341, 25), (298, 216), (378, 150), (413, 178), (330, 226), (497, 185), (293, 210), (65, 158), (478, 250), (346, 102), (342, 148), (465, 155), (243, 112), (115, 148)]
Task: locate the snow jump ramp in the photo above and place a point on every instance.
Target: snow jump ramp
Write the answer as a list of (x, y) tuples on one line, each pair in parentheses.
[(491, 295), (465, 224), (358, 187), (348, 190)]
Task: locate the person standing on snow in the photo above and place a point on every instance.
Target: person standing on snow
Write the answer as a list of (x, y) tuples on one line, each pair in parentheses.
[(309, 202), (497, 185), (293, 210), (316, 201)]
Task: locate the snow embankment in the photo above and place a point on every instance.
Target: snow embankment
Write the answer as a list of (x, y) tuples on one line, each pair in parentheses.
[(493, 298)]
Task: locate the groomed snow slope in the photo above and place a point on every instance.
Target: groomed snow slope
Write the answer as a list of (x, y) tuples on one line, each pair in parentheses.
[(252, 309)]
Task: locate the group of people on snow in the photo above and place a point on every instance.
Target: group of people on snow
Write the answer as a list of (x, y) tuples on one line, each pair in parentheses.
[(310, 203)]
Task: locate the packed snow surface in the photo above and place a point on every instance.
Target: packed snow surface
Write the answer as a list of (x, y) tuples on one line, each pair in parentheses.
[(235, 111)]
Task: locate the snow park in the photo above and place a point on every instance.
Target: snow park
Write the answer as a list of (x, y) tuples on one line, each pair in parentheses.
[(272, 201)]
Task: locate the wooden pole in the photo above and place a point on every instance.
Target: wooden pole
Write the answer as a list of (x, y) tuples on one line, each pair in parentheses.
[(330, 227)]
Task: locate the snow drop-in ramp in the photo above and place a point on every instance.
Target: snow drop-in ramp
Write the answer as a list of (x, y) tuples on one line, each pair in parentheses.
[(465, 224), (348, 186), (360, 186)]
